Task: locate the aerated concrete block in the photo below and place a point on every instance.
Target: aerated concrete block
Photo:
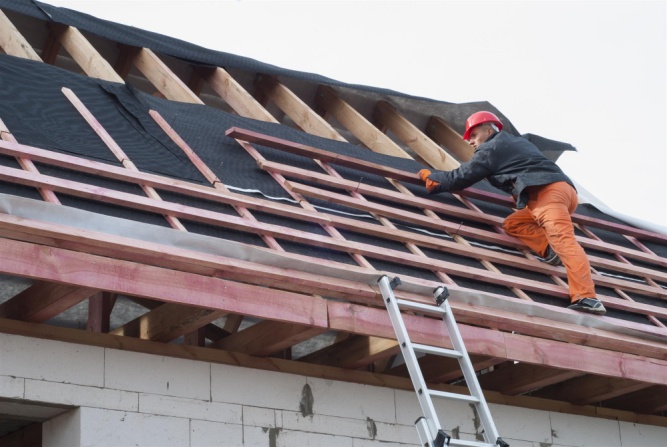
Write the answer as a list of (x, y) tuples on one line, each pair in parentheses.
[(583, 431), (153, 374), (78, 395), (643, 435), (293, 438), (34, 358), (521, 423), (330, 425), (190, 408), (11, 387), (351, 400), (257, 388), (260, 417), (208, 434), (110, 428)]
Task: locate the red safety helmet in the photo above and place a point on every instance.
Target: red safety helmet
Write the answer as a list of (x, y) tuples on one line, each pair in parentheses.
[(478, 118)]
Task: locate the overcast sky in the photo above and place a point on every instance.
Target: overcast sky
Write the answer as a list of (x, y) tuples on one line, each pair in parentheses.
[(590, 73)]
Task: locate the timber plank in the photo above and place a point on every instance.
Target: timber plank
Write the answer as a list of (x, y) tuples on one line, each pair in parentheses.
[(354, 352), (170, 257), (85, 54), (168, 322), (411, 136), (413, 177), (360, 127), (13, 42), (217, 356), (235, 95), (440, 132), (549, 353), (519, 378), (267, 337), (590, 390), (294, 107), (162, 78), (129, 278), (44, 300)]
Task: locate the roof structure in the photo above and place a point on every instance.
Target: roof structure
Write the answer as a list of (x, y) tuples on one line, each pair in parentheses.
[(160, 197)]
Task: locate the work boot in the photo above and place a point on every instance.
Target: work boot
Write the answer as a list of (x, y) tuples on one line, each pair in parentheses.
[(588, 305), (551, 257)]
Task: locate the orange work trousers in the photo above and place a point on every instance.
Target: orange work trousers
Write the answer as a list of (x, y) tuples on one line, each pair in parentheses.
[(545, 221)]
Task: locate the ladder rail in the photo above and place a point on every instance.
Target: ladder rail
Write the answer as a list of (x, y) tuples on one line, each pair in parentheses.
[(407, 350), (484, 412), (428, 426)]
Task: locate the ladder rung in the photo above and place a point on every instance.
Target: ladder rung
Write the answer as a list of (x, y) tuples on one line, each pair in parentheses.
[(411, 305), (454, 396), (462, 443), (437, 351)]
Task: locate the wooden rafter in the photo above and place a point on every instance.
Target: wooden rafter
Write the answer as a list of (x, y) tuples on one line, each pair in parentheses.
[(168, 322), (440, 132), (520, 378), (360, 127), (266, 338), (414, 138), (294, 107), (13, 42), (81, 270), (44, 300), (300, 368)]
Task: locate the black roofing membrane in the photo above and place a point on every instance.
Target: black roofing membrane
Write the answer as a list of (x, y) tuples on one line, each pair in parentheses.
[(90, 179), (37, 113), (223, 233)]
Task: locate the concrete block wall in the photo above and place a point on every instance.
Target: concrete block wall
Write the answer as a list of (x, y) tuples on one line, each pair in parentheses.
[(124, 398)]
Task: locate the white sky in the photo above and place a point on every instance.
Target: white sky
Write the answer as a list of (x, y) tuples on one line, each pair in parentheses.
[(589, 73)]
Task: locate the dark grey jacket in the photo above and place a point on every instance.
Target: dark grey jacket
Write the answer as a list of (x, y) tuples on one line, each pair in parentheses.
[(509, 163)]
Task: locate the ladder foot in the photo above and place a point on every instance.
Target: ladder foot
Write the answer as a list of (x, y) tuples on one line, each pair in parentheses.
[(442, 439), (501, 443)]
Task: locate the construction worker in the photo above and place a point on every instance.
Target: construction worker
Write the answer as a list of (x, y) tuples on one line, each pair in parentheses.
[(545, 198)]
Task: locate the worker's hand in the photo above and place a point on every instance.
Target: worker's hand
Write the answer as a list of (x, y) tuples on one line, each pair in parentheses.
[(430, 184)]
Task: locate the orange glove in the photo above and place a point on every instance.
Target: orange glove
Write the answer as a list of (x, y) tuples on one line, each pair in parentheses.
[(430, 184)]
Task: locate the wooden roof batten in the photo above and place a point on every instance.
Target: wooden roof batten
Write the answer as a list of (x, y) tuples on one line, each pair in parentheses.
[(277, 330)]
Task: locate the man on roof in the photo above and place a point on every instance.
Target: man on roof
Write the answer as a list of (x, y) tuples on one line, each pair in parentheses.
[(545, 198)]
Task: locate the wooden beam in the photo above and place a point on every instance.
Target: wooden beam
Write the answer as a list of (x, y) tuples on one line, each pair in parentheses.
[(100, 307), (166, 82), (590, 389), (360, 127), (413, 218), (130, 278), (185, 260), (354, 352), (239, 200), (438, 369), (218, 356), (649, 400), (13, 42), (520, 378), (414, 138), (88, 58), (413, 178), (235, 95), (168, 322), (294, 107), (438, 130), (43, 301), (122, 248), (267, 338), (522, 348), (27, 164)]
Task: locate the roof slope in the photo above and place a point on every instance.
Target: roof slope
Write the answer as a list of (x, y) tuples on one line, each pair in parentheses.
[(192, 203)]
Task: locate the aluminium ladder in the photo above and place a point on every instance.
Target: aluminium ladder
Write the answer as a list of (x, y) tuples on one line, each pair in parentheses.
[(428, 426)]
